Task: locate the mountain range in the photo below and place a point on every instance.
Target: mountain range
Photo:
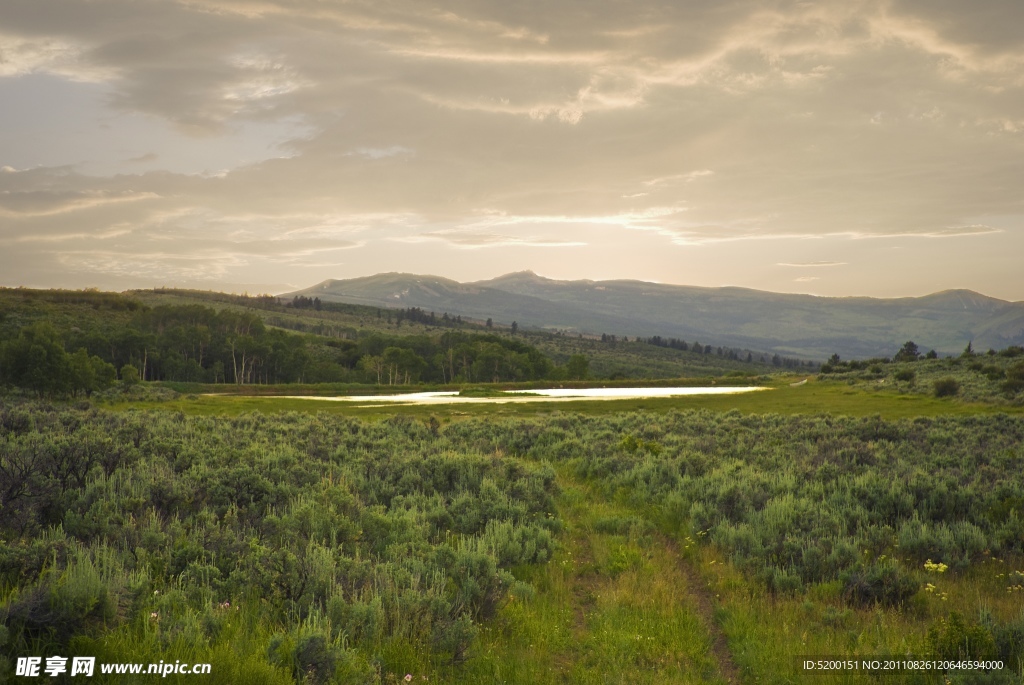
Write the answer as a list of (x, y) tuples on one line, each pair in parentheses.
[(806, 326)]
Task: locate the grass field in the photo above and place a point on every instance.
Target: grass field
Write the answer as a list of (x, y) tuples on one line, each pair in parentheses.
[(812, 397), (634, 593), (618, 603), (625, 601)]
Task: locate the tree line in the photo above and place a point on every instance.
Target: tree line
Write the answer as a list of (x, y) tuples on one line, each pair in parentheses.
[(194, 343), (413, 314), (696, 347)]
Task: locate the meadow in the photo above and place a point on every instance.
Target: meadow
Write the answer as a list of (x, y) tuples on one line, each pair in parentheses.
[(857, 509), (670, 544), (788, 395)]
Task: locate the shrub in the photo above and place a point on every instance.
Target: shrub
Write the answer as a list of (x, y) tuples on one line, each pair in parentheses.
[(315, 659), (454, 637), (1010, 641), (884, 583), (954, 638), (946, 387), (1014, 379)]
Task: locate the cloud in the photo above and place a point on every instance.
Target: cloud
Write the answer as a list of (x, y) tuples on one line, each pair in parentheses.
[(399, 130), (687, 177), (60, 56), (41, 203), (476, 240), (381, 152), (938, 232), (147, 157)]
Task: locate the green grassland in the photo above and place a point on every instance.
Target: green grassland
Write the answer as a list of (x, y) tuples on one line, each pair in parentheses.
[(617, 603), (813, 397), (993, 377), (694, 539), (544, 547)]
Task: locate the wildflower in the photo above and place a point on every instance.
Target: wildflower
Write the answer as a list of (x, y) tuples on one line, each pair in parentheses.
[(408, 677)]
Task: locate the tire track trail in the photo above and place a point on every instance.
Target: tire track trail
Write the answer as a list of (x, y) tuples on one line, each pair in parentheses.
[(660, 584), (704, 604)]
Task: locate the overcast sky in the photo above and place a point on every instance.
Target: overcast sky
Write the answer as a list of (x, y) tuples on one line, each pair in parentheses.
[(835, 148)]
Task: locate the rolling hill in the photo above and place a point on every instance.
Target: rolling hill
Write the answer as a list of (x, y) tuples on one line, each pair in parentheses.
[(798, 325)]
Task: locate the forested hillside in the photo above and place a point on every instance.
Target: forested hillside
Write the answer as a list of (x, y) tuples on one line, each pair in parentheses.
[(199, 344), (78, 342)]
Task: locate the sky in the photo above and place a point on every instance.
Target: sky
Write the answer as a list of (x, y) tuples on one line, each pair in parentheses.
[(833, 148)]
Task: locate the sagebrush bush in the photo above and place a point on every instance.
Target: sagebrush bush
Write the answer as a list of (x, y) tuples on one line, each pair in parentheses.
[(798, 500), (386, 531), (353, 542)]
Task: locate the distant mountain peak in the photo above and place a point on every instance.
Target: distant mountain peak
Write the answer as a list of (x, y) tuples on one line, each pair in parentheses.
[(961, 298), (801, 325), (525, 275)]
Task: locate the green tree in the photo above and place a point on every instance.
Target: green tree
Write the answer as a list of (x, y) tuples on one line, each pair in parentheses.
[(36, 360), (82, 373), (129, 375), (402, 365), (373, 364), (106, 374), (578, 367), (490, 362), (908, 353)]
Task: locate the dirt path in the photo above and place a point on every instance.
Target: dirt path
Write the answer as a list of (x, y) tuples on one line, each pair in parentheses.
[(705, 606), (617, 603), (590, 579)]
